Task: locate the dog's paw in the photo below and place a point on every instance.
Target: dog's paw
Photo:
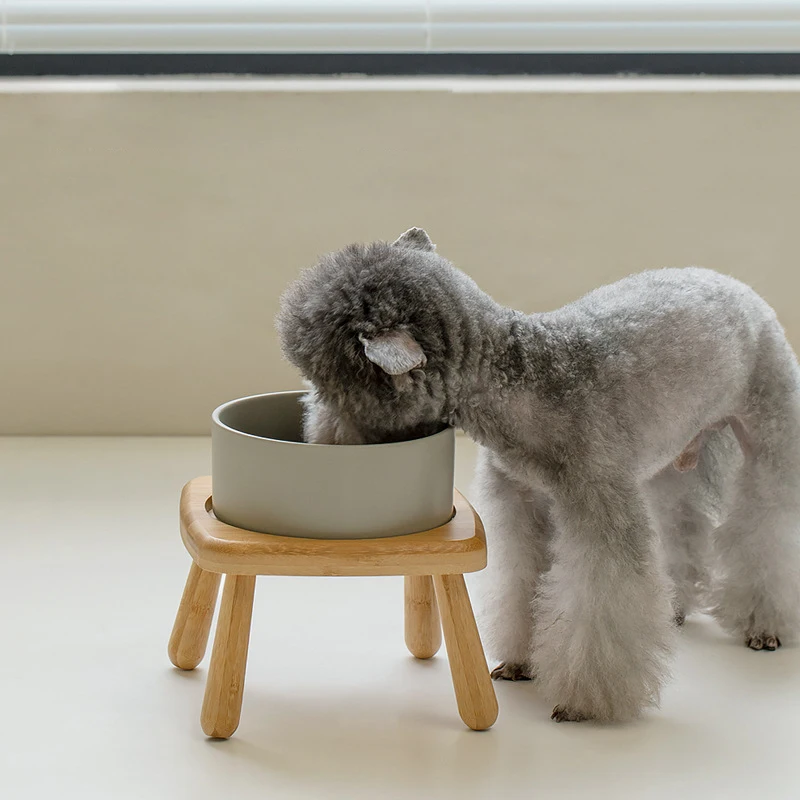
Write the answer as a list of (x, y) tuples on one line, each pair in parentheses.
[(562, 714), (507, 671), (762, 641)]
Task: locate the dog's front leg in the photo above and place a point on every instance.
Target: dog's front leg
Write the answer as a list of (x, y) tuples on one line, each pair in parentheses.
[(604, 612), (517, 529)]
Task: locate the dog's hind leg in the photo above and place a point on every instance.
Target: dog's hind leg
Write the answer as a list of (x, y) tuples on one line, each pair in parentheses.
[(756, 592), (686, 538), (687, 508)]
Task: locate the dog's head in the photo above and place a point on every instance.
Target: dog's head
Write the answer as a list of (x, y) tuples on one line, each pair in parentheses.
[(370, 327)]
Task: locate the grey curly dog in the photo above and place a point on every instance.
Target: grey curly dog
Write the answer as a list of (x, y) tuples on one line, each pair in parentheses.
[(640, 452)]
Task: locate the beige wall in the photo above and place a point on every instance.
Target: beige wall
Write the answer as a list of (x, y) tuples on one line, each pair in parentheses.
[(145, 237)]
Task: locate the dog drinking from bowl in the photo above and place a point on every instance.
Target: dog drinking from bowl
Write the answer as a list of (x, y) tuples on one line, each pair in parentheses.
[(640, 452)]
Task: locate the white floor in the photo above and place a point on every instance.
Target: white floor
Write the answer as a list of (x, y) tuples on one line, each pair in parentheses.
[(91, 572)]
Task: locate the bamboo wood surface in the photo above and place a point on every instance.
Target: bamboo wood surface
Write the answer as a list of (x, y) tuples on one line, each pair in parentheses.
[(423, 630), (458, 546), (477, 703), (222, 704), (433, 563), (187, 645)]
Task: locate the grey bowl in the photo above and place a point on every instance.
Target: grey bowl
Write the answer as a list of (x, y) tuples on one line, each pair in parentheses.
[(266, 479)]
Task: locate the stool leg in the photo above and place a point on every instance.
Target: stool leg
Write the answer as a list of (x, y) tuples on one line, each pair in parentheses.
[(187, 644), (222, 704), (423, 631), (475, 695)]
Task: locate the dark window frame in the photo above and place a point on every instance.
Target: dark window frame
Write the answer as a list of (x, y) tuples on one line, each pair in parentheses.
[(396, 64)]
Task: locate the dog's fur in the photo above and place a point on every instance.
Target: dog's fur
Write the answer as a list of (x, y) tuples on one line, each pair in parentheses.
[(641, 451)]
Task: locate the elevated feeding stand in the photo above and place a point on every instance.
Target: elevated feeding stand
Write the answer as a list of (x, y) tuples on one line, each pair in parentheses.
[(433, 563)]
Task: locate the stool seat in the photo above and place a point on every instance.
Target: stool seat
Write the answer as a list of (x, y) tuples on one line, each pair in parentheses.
[(436, 598), (458, 546)]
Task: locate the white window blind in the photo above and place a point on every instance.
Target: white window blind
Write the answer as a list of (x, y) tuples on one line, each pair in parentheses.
[(416, 26)]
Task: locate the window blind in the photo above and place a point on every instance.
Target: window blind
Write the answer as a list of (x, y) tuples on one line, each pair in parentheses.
[(415, 26)]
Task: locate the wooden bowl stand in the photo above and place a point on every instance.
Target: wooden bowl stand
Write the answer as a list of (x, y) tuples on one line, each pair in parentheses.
[(433, 563)]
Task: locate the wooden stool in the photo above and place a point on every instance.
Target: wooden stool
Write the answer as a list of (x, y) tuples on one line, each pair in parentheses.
[(432, 560)]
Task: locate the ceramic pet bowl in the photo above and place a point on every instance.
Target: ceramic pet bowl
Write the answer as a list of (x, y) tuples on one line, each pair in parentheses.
[(266, 479)]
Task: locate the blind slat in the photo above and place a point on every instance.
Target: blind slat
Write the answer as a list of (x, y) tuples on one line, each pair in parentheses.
[(186, 26)]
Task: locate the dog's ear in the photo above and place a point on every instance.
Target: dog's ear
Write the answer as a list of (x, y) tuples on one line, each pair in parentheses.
[(415, 239), (395, 352)]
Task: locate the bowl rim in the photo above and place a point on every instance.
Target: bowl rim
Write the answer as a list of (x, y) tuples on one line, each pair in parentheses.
[(215, 419)]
